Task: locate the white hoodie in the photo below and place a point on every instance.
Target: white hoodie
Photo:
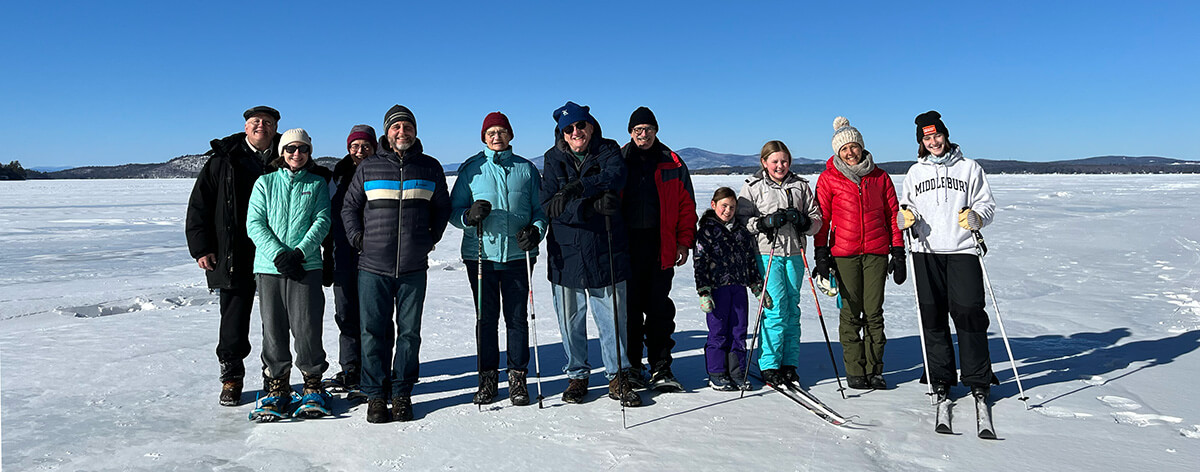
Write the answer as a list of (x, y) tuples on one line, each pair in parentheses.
[(936, 193)]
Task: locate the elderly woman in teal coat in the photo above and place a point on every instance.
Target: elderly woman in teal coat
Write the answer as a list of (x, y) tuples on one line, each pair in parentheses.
[(497, 195), (287, 220)]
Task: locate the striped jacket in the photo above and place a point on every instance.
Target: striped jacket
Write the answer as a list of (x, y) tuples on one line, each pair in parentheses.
[(399, 206)]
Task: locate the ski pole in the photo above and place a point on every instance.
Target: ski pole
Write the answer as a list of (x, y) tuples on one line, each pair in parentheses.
[(912, 267), (537, 366), (612, 277), (762, 299), (980, 249), (479, 305), (824, 330)]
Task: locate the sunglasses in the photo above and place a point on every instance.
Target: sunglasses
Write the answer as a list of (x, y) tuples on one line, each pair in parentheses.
[(581, 126), (291, 148)]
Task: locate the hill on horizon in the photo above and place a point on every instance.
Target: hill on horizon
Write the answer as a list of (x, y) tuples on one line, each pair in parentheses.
[(698, 160)]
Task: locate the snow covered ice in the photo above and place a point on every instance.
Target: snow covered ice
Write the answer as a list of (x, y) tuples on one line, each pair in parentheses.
[(107, 335)]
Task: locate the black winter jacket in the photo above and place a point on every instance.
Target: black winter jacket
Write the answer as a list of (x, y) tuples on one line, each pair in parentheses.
[(577, 245), (399, 205), (216, 214), (345, 255), (723, 256)]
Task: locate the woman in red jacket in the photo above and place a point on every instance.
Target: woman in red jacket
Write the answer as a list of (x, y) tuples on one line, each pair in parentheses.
[(858, 206)]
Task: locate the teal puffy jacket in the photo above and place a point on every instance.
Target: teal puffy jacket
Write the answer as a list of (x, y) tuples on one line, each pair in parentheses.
[(512, 184), (288, 210)]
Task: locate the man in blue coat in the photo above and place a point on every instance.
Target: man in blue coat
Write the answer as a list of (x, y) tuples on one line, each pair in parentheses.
[(588, 260), (399, 180)]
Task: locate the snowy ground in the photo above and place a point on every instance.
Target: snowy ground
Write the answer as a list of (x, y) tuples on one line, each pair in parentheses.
[(107, 335)]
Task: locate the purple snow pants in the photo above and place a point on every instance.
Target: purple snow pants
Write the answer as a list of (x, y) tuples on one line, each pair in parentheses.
[(727, 331)]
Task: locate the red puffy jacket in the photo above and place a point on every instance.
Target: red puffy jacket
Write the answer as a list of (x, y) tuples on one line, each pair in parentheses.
[(859, 219)]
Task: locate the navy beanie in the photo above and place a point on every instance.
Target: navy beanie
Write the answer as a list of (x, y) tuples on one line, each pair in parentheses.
[(572, 113)]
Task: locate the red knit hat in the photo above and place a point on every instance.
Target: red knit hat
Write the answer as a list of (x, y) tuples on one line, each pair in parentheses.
[(495, 118), (362, 132)]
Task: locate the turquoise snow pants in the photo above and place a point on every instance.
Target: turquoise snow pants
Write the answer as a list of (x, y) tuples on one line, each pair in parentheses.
[(780, 330)]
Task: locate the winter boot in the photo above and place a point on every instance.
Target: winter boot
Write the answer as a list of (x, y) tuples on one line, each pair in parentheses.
[(773, 377), (345, 381), (487, 387), (858, 382), (663, 380), (789, 374), (576, 391), (518, 394), (877, 382), (941, 391), (637, 379), (402, 408), (981, 393), (619, 389), (721, 382), (312, 399), (377, 411), (231, 392)]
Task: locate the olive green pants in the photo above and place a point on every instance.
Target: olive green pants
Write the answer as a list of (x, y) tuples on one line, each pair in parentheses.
[(860, 283)]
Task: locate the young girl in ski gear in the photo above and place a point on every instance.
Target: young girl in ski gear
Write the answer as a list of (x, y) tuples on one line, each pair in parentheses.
[(779, 209), (287, 220), (858, 208), (945, 199), (726, 263)]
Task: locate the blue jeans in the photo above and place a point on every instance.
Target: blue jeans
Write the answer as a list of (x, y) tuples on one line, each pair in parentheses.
[(571, 305), (389, 354)]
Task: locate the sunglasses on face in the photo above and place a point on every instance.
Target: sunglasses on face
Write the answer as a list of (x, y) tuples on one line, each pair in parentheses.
[(581, 126), (291, 148)]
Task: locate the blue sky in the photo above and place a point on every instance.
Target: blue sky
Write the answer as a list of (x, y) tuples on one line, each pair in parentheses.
[(104, 83)]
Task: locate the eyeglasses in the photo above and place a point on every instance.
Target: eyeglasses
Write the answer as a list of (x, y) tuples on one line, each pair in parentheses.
[(581, 126), (492, 134), (644, 129), (360, 147), (291, 148)]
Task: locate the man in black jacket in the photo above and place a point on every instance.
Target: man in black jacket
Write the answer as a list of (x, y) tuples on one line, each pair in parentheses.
[(394, 256), (216, 234)]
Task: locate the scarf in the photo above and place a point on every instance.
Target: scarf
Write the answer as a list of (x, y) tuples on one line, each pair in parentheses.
[(855, 172)]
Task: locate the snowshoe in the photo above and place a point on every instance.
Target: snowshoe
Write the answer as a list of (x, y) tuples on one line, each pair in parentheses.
[(664, 381), (312, 405), (272, 408)]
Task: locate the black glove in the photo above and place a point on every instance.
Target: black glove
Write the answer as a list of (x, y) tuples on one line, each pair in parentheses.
[(801, 221), (896, 265), (824, 261), (478, 211), (528, 238), (356, 241), (557, 203), (607, 204), (290, 264), (773, 221)]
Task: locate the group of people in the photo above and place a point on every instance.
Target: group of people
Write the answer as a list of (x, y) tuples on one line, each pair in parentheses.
[(616, 221)]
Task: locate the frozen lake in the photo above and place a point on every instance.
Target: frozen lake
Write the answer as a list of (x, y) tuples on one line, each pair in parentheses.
[(107, 335)]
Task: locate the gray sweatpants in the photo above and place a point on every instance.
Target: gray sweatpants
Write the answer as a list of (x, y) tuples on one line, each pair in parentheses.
[(286, 305)]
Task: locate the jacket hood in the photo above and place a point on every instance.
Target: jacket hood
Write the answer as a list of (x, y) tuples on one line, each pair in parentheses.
[(956, 156)]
